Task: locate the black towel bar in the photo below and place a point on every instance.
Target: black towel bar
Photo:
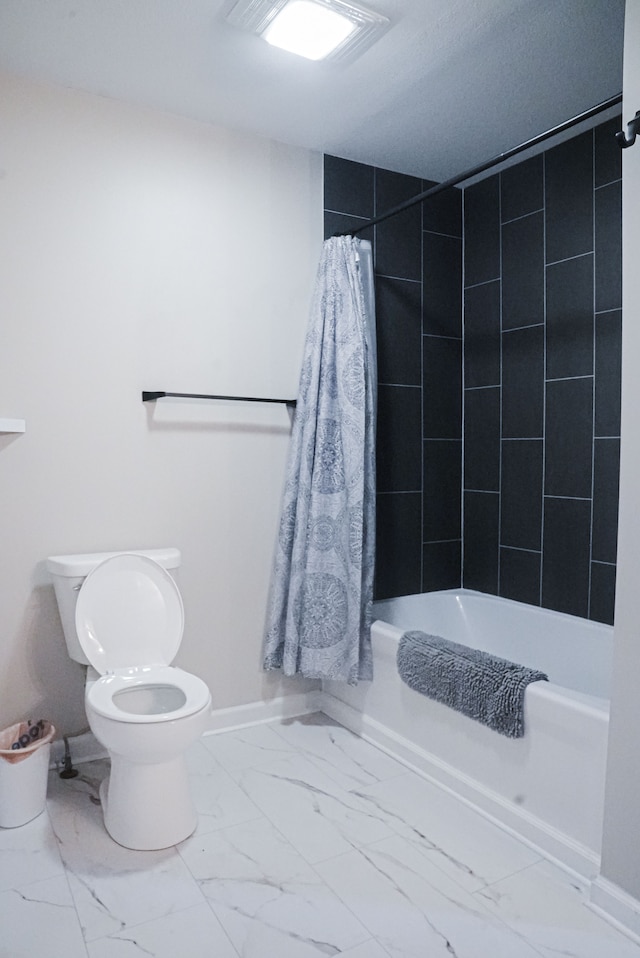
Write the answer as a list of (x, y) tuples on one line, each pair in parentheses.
[(152, 396)]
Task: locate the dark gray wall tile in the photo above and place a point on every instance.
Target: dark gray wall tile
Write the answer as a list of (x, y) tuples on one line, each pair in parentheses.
[(482, 439), (481, 522), (603, 593), (608, 247), (521, 493), (482, 335), (520, 575), (608, 155), (391, 189), (569, 435), (606, 479), (522, 189), (348, 187), (442, 480), (399, 331), (608, 372), (442, 388), (399, 445), (523, 383), (570, 318), (569, 198), (442, 279), (441, 566), (523, 272), (482, 231), (398, 239), (399, 246), (565, 558), (398, 545), (442, 213)]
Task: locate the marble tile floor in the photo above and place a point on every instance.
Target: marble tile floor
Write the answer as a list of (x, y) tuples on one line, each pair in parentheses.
[(310, 843)]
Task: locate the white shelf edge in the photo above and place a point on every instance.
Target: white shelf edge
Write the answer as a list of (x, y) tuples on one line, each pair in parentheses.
[(12, 425)]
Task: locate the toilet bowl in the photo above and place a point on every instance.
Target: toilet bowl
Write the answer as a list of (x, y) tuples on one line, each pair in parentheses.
[(128, 625)]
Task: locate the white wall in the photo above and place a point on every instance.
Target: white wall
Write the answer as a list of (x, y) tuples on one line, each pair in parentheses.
[(142, 251), (620, 855)]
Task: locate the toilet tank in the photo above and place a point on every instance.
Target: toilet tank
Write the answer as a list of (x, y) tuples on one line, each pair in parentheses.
[(69, 572)]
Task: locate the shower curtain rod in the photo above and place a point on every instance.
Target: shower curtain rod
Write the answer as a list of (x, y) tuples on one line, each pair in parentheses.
[(481, 167)]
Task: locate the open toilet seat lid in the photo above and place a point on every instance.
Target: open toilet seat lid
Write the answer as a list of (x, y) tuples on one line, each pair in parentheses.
[(129, 614)]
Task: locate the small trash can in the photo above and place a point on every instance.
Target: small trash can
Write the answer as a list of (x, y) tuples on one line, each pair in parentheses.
[(24, 764)]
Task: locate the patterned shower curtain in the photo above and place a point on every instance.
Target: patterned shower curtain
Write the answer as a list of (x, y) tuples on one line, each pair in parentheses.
[(319, 615)]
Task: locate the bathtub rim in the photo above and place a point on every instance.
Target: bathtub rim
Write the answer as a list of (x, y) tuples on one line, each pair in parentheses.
[(581, 701), (606, 632), (490, 597)]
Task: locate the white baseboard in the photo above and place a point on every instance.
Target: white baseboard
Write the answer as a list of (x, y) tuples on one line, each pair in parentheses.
[(257, 713), (86, 748), (550, 842), (618, 907)]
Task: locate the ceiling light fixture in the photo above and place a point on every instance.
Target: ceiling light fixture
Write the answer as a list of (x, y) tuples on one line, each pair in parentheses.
[(309, 29), (316, 29)]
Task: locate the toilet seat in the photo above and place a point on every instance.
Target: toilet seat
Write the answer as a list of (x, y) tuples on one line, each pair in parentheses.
[(130, 620), (129, 614), (103, 694)]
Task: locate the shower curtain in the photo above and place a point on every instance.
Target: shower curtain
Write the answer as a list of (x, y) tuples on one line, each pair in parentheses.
[(319, 614)]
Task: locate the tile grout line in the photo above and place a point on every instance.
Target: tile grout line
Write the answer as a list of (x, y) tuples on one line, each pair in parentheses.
[(521, 549), (500, 411), (438, 233), (497, 881), (435, 542), (568, 259), (485, 282), (603, 186), (422, 446), (455, 339), (544, 372), (564, 379), (463, 372), (355, 216), (515, 329), (523, 216), (399, 279), (593, 367)]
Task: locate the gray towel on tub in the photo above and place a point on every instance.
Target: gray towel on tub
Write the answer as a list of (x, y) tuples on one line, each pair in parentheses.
[(482, 686)]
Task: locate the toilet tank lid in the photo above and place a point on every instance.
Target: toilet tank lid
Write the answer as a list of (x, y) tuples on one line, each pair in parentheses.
[(79, 565)]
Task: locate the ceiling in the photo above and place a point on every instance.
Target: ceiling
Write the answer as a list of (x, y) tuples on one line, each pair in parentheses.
[(450, 84)]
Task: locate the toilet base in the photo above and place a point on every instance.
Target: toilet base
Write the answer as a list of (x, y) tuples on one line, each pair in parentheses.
[(148, 807)]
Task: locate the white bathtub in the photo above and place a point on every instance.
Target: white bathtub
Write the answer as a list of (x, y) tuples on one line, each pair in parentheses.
[(547, 787)]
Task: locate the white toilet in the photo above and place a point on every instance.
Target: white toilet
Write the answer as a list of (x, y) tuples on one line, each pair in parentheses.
[(123, 617)]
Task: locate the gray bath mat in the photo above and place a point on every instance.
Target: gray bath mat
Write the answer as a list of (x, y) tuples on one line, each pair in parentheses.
[(481, 686)]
